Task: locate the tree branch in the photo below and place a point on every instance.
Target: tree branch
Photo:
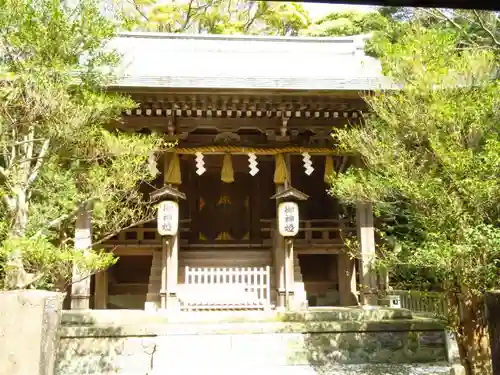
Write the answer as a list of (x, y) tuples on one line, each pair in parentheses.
[(138, 10), (449, 19), (115, 232), (13, 149), (30, 281), (9, 202), (486, 29), (4, 172), (39, 162), (188, 15), (54, 223)]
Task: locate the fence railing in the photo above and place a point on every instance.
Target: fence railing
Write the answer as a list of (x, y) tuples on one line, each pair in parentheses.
[(422, 302), (313, 231), (226, 288), (316, 231)]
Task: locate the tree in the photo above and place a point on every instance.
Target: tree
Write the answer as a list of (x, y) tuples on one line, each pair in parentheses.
[(429, 158), (243, 17), (347, 23), (214, 17), (56, 155), (474, 28)]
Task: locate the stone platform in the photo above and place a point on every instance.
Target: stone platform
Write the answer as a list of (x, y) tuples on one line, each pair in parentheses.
[(335, 369), (336, 341)]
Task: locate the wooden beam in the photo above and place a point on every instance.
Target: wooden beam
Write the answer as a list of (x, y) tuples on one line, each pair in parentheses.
[(346, 272), (80, 287), (366, 236), (131, 250), (243, 113), (101, 290), (258, 151)]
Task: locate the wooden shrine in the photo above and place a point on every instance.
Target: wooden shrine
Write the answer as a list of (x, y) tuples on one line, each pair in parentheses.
[(235, 148)]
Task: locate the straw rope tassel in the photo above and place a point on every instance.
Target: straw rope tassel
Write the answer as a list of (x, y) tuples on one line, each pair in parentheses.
[(227, 173), (280, 171), (329, 170), (172, 170)]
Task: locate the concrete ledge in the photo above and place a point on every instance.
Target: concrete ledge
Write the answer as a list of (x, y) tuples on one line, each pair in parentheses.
[(138, 355), (125, 317), (346, 313), (145, 330), (98, 342)]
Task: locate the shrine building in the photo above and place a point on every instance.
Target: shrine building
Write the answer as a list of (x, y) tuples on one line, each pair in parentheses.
[(252, 118)]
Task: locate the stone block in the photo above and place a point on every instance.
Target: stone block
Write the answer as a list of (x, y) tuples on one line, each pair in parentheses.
[(167, 345), (29, 322), (457, 369), (99, 355), (453, 353)]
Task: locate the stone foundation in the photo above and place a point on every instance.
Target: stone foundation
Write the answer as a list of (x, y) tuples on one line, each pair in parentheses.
[(97, 344), (29, 323)]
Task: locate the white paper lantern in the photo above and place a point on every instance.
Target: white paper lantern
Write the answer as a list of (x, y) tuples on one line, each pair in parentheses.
[(168, 218), (288, 219)]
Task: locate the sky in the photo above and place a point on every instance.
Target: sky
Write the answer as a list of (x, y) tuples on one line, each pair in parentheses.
[(317, 10)]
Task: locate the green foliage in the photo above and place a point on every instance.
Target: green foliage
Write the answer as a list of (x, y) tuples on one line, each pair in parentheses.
[(472, 28), (429, 161), (52, 264), (433, 149), (214, 17), (58, 151), (348, 23), (243, 17)]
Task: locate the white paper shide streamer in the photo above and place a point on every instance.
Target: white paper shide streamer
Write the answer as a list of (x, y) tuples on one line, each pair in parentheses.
[(200, 164), (252, 163), (306, 159)]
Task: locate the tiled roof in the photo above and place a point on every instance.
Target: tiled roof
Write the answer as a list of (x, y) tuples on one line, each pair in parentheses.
[(160, 60)]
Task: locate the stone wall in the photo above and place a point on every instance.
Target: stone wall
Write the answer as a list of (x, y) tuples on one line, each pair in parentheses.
[(150, 345), (29, 323)]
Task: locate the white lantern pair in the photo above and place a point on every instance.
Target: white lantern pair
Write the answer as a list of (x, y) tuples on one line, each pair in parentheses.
[(288, 211), (168, 218), (168, 209)]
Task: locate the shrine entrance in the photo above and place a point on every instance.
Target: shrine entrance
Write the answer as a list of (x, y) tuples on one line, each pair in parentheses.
[(320, 277), (128, 282), (224, 213)]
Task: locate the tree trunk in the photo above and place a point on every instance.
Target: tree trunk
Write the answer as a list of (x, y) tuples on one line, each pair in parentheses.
[(472, 336), (493, 315), (16, 277)]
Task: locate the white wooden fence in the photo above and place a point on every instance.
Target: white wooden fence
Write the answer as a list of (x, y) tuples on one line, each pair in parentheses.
[(226, 288), (422, 302)]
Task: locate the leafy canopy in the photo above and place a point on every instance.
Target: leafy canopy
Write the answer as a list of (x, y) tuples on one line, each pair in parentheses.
[(58, 149), (430, 158), (429, 161), (242, 17)]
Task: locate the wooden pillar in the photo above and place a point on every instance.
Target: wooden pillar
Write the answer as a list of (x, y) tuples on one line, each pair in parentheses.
[(289, 274), (80, 286), (279, 259), (172, 266), (279, 265), (163, 288), (383, 281), (289, 256), (366, 236), (346, 270), (101, 290), (170, 255)]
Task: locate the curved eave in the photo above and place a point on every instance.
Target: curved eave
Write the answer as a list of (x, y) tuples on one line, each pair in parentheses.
[(256, 83)]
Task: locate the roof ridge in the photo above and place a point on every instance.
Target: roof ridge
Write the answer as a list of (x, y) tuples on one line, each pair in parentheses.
[(354, 39)]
